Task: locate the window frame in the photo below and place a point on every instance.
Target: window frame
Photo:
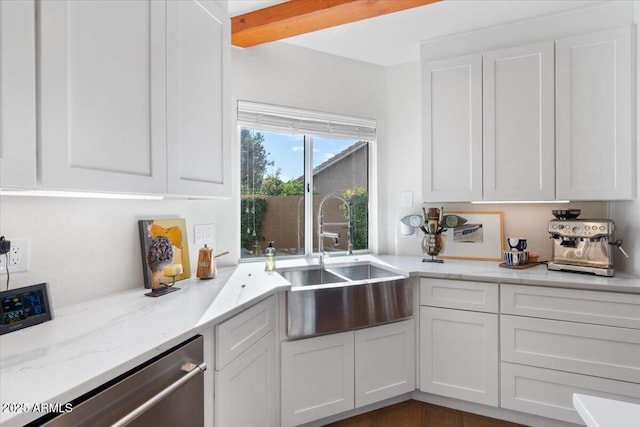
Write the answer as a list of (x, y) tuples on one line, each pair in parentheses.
[(285, 120)]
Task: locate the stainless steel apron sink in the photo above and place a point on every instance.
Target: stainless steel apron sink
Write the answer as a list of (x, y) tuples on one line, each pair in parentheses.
[(342, 297)]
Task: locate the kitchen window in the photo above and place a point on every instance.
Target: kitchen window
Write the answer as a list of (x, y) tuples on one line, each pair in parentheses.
[(290, 161)]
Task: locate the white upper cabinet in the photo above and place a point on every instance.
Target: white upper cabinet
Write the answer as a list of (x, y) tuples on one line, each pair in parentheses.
[(17, 94), (518, 123), (198, 45), (102, 94), (551, 121), (594, 149), (134, 96), (452, 129)]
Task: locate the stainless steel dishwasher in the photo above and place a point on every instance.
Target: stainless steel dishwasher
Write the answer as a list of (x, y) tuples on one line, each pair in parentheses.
[(168, 391)]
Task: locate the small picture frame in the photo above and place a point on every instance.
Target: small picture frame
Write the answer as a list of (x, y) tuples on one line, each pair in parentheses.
[(165, 251), (481, 238)]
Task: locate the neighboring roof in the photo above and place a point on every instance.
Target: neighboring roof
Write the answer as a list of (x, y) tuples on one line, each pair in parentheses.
[(341, 155), (335, 159)]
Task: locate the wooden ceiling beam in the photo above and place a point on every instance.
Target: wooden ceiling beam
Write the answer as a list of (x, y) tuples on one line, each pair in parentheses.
[(297, 17)]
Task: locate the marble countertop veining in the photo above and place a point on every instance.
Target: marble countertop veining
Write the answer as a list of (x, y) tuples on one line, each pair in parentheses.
[(88, 344)]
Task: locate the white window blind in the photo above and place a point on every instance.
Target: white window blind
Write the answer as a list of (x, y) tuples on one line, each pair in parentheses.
[(291, 120)]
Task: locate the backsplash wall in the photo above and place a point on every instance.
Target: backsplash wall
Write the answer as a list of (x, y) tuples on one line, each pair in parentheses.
[(87, 248), (527, 221)]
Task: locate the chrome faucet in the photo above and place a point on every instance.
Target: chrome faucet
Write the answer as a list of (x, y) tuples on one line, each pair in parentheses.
[(322, 234)]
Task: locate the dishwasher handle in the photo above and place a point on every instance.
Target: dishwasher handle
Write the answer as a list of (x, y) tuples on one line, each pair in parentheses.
[(192, 371)]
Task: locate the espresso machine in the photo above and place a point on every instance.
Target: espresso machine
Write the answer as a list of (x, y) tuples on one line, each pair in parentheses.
[(583, 245)]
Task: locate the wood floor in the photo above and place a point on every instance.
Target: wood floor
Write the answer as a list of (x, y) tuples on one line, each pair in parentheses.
[(418, 414)]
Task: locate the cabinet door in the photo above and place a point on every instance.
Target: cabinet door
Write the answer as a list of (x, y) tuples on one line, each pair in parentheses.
[(102, 95), (198, 52), (452, 129), (384, 362), (518, 123), (459, 354), (593, 117), (317, 378), (17, 94), (246, 392)]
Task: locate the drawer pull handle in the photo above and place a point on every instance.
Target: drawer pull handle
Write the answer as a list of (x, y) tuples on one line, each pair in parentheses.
[(192, 371)]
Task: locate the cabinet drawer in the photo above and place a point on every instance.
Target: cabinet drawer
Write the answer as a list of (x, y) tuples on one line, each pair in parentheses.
[(460, 294), (602, 351), (243, 330), (549, 393), (603, 308)]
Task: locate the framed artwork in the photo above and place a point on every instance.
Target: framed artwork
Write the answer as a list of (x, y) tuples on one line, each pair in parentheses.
[(481, 238), (165, 251)]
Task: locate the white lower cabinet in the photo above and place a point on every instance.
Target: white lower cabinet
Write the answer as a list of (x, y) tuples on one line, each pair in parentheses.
[(557, 342), (385, 362), (317, 378), (602, 351), (459, 354), (330, 374), (459, 339), (246, 386), (549, 393), (245, 389)]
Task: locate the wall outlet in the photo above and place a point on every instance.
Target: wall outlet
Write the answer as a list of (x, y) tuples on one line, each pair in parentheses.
[(204, 233), (18, 257)]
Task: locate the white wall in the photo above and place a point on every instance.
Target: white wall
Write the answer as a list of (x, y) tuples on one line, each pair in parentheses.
[(627, 214), (87, 248), (286, 75)]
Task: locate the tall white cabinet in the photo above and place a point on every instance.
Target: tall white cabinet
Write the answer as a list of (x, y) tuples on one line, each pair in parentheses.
[(133, 96), (198, 106), (518, 123), (17, 94), (102, 94), (593, 119), (452, 129)]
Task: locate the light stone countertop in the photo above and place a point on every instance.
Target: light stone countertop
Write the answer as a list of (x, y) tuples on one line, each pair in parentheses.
[(600, 412), (486, 271), (90, 343)]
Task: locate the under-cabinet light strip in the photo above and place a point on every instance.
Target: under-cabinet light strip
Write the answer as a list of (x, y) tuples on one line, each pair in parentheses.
[(486, 202), (78, 194)]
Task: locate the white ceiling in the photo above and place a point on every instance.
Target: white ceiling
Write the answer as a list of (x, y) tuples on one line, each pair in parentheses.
[(394, 39)]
